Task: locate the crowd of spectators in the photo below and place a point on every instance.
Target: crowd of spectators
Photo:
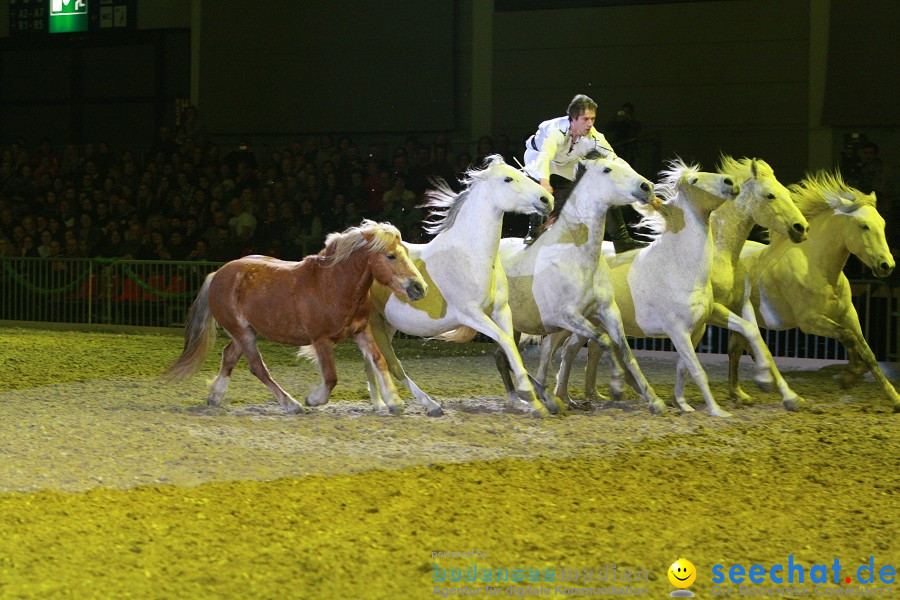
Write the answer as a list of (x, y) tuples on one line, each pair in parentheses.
[(184, 198)]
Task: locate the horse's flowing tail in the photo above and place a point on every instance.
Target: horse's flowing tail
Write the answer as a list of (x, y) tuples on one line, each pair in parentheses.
[(199, 335), (460, 335)]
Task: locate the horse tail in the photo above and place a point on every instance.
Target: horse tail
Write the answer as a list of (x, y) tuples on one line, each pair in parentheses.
[(199, 335), (460, 335), (309, 353)]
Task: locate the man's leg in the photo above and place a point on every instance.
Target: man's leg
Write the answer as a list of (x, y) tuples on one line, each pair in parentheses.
[(561, 189), (617, 231)]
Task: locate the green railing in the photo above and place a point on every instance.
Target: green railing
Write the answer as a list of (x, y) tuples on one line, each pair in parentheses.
[(158, 294), (100, 291)]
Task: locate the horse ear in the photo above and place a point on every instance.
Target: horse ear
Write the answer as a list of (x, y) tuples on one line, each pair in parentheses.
[(838, 202), (580, 168), (754, 170)]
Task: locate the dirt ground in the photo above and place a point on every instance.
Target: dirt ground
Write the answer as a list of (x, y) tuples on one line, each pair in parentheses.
[(114, 484)]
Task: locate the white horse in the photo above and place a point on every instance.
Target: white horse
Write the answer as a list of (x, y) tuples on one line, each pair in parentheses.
[(804, 285), (561, 282), (467, 287), (765, 201), (665, 288), (762, 200)]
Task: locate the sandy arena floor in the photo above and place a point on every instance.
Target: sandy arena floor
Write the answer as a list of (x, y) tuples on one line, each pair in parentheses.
[(114, 484)]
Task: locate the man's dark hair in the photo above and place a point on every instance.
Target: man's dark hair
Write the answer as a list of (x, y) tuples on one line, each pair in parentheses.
[(578, 105)]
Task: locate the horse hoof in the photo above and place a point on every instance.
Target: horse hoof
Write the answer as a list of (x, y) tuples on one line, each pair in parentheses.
[(794, 403), (596, 397), (897, 407), (766, 384), (212, 401), (658, 407), (848, 379), (435, 411), (293, 409), (719, 412), (740, 396), (540, 411), (395, 409)]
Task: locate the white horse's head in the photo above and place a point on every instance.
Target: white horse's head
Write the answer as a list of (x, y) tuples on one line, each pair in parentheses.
[(703, 191), (510, 189), (612, 181), (863, 229), (684, 188), (764, 198)]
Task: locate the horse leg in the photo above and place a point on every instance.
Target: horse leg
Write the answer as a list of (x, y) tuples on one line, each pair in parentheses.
[(258, 368), (378, 367), (549, 345), (230, 355), (736, 346), (685, 347), (372, 386), (382, 333), (501, 332), (320, 394), (854, 371), (504, 367), (595, 352), (570, 349), (849, 333), (681, 373), (611, 319), (766, 370)]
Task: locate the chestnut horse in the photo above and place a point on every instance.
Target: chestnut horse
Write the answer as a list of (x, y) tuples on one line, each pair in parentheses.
[(318, 301)]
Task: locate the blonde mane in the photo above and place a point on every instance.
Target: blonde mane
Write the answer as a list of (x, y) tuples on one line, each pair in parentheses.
[(824, 191), (742, 168), (669, 215), (444, 204), (339, 246)]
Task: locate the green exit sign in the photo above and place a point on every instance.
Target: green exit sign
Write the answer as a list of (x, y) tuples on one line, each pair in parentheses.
[(67, 16)]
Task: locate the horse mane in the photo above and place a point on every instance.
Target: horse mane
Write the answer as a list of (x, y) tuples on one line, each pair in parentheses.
[(741, 168), (443, 203), (823, 191), (658, 221), (339, 246), (560, 197)]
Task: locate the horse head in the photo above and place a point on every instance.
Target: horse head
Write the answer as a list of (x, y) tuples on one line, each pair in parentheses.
[(703, 191), (764, 198), (614, 181), (388, 258), (510, 189), (863, 231)]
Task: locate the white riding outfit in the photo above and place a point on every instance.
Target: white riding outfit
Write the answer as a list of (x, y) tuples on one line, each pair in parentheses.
[(551, 151)]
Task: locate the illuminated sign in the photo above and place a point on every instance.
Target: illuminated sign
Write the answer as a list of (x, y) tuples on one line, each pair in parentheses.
[(67, 16)]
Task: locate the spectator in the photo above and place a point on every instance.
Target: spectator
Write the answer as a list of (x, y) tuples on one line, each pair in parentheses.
[(308, 235), (191, 132), (242, 222)]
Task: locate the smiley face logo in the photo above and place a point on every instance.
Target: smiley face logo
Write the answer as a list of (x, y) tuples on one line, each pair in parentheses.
[(682, 573)]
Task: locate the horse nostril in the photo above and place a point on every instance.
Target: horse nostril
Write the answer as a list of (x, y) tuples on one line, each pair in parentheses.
[(728, 182), (415, 290), (800, 228), (545, 200), (645, 186), (886, 267)]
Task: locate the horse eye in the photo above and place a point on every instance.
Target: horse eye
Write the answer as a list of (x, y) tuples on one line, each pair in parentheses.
[(392, 256), (770, 196), (694, 180), (864, 227), (607, 170), (508, 179)]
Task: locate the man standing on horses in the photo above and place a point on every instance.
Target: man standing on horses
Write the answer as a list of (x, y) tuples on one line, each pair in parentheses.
[(552, 153)]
